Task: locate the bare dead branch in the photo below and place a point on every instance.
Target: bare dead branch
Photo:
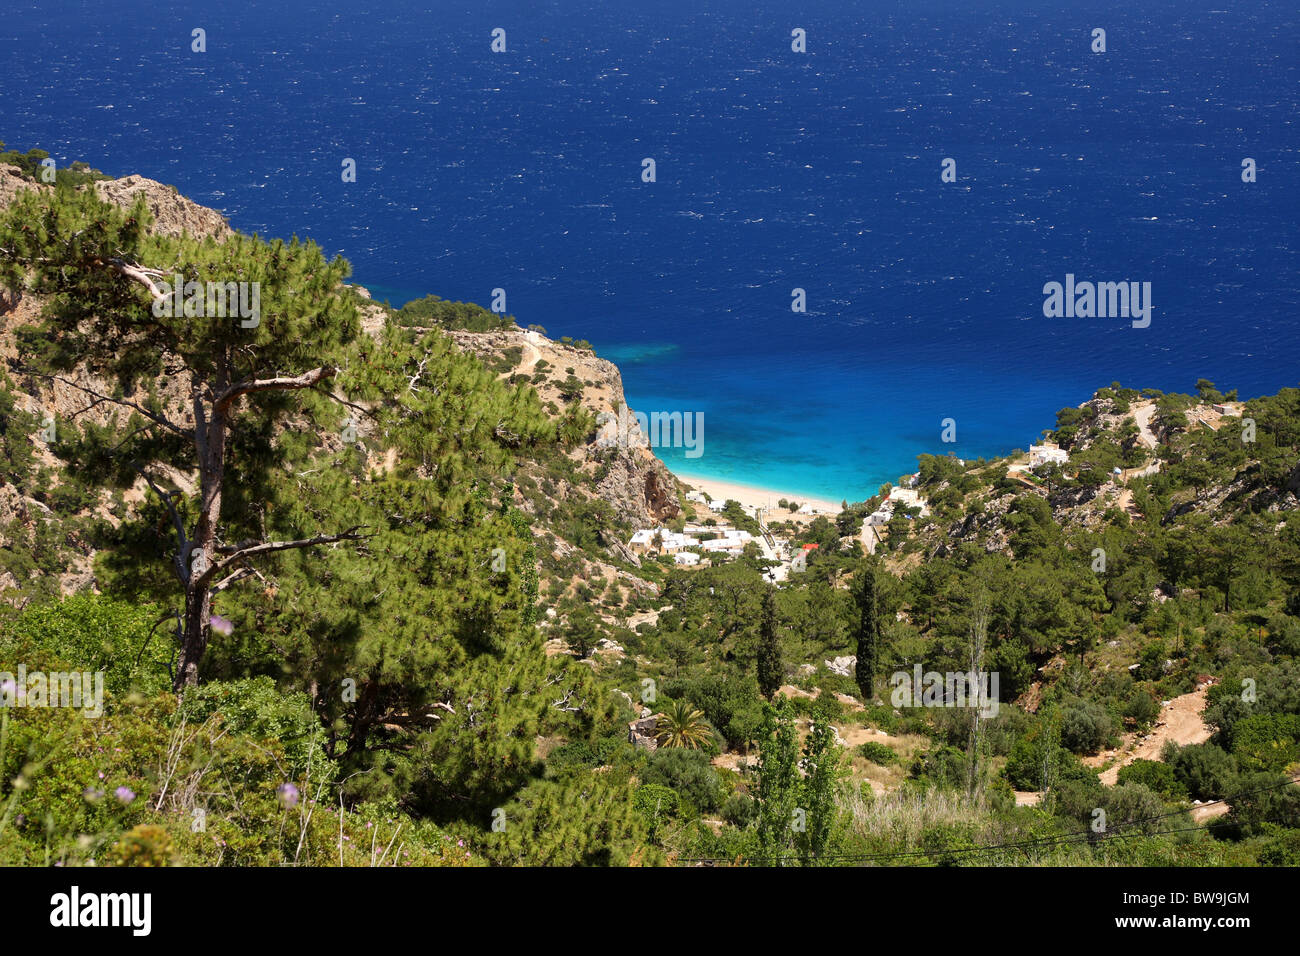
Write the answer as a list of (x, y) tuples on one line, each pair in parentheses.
[(154, 417), (182, 542), (137, 273)]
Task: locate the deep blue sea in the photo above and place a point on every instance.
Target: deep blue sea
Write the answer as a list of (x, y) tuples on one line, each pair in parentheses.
[(775, 170)]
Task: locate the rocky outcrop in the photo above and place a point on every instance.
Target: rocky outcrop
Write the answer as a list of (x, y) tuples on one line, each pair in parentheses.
[(627, 474), (12, 182), (639, 487), (842, 665), (641, 732), (173, 214)]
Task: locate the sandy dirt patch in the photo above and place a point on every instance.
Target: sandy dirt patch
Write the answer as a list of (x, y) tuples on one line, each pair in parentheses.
[(1180, 722)]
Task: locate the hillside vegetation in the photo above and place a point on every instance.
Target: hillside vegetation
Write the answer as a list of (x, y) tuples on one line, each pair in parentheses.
[(358, 584)]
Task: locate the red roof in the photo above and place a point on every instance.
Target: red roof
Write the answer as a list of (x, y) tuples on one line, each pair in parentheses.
[(809, 547)]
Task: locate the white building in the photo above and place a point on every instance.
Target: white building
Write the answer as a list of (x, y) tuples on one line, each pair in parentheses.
[(733, 541), (907, 498), (669, 542), (880, 516), (642, 540), (686, 557), (1044, 454)]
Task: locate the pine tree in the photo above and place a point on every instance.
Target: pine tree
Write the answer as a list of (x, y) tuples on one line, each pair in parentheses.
[(770, 669), (112, 314), (588, 820), (867, 630)]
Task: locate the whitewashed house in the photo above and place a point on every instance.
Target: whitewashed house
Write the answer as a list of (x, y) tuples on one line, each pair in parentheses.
[(668, 542), (907, 498), (1044, 454)]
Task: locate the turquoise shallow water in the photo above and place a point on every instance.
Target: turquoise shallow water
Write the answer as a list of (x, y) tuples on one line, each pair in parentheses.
[(775, 170)]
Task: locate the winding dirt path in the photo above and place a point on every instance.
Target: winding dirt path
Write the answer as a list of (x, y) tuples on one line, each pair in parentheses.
[(532, 355), (1142, 416), (1180, 722)]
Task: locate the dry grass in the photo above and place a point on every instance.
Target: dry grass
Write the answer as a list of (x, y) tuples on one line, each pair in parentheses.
[(901, 817)]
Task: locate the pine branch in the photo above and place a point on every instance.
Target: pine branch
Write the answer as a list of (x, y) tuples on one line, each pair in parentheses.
[(246, 550), (283, 382)]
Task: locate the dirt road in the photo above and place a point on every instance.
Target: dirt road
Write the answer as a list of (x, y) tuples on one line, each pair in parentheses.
[(1142, 415), (1180, 722)]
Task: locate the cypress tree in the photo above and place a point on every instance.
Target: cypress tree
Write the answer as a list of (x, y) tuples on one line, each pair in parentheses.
[(770, 669), (867, 630)]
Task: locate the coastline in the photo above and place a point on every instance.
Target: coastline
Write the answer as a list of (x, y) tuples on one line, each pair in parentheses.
[(753, 496)]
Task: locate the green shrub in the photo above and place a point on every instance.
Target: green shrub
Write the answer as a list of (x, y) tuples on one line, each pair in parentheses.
[(1266, 741), (878, 753), (572, 756), (257, 708), (1086, 726), (944, 767), (90, 632), (1142, 708), (1206, 771), (1133, 808), (1158, 777), (740, 810), (1025, 765), (655, 803), (431, 311), (688, 772)]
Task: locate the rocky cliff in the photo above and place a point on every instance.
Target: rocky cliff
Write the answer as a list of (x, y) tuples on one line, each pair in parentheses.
[(627, 474)]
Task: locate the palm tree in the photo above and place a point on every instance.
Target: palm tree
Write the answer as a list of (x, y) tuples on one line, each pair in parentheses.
[(681, 725)]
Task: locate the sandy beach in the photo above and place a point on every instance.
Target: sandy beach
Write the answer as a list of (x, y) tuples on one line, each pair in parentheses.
[(755, 497)]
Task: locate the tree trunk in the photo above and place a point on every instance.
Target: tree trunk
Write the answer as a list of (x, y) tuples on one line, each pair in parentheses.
[(210, 439)]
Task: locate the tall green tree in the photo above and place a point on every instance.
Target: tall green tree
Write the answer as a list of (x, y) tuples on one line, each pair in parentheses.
[(112, 313), (778, 782), (867, 627), (823, 768), (388, 574), (796, 790), (770, 669)]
